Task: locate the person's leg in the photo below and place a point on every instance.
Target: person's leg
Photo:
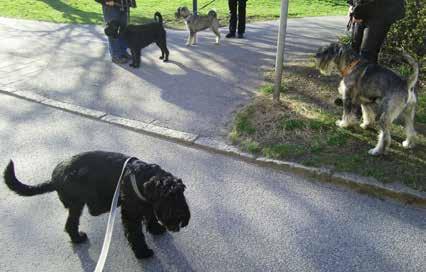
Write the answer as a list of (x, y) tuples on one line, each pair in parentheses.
[(357, 35), (241, 17), (232, 18), (112, 13), (122, 43), (374, 36)]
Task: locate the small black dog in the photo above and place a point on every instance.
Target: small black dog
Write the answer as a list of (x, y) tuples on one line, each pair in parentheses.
[(140, 36), (91, 178)]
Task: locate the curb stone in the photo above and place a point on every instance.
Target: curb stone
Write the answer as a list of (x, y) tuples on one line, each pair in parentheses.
[(148, 128), (366, 185)]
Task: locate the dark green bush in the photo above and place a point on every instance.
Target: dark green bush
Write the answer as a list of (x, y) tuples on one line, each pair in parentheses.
[(410, 33)]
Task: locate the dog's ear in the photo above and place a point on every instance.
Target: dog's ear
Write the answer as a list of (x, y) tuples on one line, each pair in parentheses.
[(151, 187), (319, 53), (180, 187), (112, 28)]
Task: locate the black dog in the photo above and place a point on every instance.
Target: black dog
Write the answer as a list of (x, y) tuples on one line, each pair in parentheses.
[(140, 36), (91, 178)]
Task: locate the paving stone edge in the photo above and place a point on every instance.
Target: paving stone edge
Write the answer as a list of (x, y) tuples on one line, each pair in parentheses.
[(360, 184)]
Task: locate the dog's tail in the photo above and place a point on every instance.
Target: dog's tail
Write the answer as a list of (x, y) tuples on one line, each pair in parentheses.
[(412, 79), (21, 189), (212, 13), (158, 17)]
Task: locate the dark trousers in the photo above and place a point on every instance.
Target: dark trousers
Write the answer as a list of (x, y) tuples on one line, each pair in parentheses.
[(241, 18), (117, 47), (368, 37)]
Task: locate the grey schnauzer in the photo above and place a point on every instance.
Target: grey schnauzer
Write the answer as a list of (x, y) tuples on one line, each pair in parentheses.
[(382, 94), (195, 23)]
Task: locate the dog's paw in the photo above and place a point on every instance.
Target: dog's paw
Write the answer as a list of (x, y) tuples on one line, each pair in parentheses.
[(407, 144), (375, 152), (342, 124), (81, 238), (364, 125), (156, 229), (143, 254)]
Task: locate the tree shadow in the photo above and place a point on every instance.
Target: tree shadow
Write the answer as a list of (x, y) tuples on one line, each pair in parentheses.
[(74, 15)]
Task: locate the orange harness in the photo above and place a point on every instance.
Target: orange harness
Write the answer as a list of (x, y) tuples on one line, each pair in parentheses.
[(348, 69)]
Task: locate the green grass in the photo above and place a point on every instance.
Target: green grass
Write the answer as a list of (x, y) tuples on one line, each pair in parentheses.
[(89, 11), (269, 89), (277, 151), (242, 122), (421, 108)]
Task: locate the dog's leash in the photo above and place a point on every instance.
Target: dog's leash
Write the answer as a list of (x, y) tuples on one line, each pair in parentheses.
[(209, 3), (111, 218)]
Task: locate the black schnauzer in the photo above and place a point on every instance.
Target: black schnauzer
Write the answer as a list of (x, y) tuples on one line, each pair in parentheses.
[(140, 36), (91, 178)]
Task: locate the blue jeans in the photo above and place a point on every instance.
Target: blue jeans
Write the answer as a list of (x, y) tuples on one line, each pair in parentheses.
[(117, 47)]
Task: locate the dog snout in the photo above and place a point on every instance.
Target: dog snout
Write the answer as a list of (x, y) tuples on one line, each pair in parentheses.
[(175, 228)]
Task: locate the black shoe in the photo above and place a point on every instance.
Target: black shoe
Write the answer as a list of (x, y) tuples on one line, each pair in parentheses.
[(120, 60), (230, 35), (126, 55), (240, 35)]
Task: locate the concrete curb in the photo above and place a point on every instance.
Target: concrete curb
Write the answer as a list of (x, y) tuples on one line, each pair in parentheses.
[(360, 184)]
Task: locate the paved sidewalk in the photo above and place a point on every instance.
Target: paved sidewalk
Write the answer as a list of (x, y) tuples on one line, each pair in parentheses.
[(196, 92), (251, 219)]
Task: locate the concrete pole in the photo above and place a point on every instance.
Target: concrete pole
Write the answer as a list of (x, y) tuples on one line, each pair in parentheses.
[(280, 50)]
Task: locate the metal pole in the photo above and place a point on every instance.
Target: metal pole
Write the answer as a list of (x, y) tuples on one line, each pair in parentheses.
[(194, 7), (194, 11), (280, 50)]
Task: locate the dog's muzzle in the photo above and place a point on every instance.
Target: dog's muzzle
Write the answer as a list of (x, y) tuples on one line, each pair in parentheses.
[(171, 228)]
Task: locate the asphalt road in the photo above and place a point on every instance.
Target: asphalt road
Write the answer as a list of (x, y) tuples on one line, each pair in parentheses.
[(197, 91), (244, 217)]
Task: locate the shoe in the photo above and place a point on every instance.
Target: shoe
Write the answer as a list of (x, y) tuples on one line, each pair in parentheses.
[(230, 35), (126, 55), (240, 36), (120, 60)]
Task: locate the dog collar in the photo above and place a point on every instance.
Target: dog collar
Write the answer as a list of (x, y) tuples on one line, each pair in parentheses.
[(348, 69), (136, 189)]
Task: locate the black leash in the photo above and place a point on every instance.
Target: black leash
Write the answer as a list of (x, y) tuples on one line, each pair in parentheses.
[(207, 4)]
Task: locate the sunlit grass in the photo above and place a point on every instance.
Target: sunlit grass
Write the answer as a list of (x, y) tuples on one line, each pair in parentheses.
[(89, 11)]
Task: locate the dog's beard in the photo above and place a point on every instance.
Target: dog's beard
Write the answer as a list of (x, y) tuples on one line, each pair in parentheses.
[(325, 67), (325, 63), (173, 213), (325, 59)]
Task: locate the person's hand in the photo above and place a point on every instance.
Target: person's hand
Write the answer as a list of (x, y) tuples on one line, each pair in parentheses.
[(356, 20), (109, 3), (350, 10)]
